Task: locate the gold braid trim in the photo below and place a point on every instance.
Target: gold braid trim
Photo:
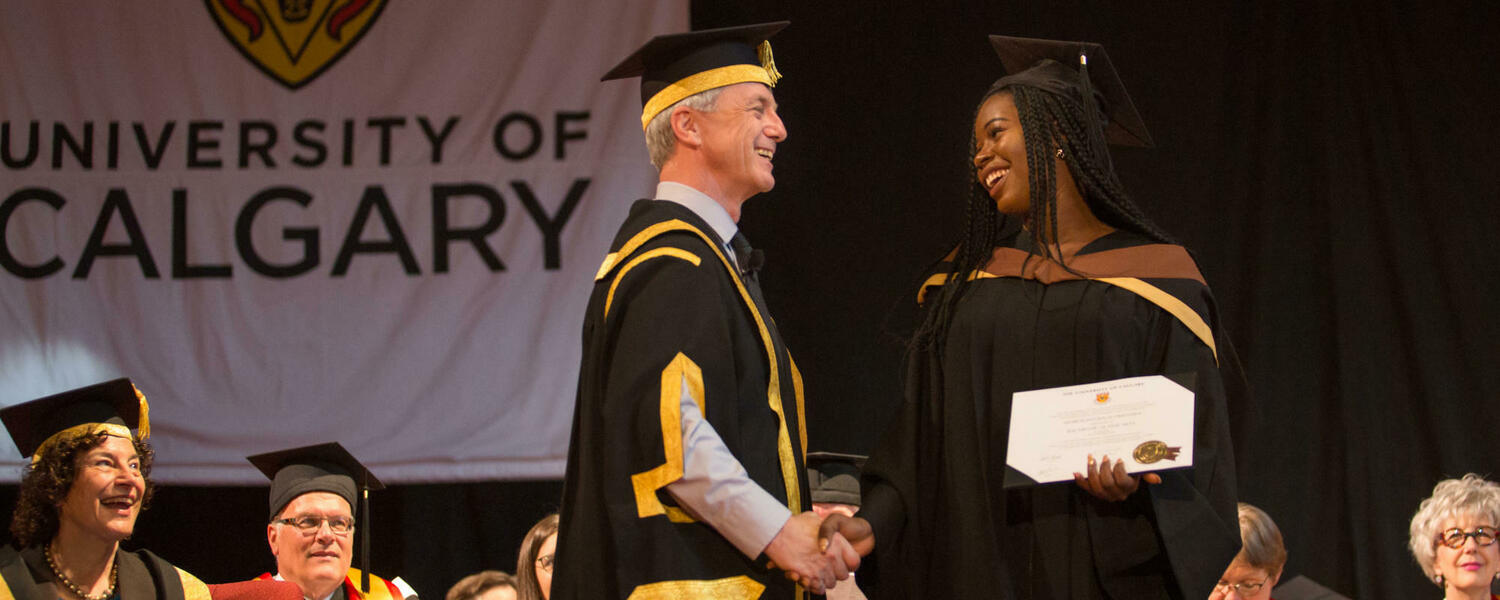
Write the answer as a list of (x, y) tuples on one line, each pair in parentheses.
[(78, 431), (801, 408), (645, 256), (702, 82), (729, 588)]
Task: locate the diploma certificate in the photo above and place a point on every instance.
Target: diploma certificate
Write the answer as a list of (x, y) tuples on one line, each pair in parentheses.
[(1148, 421)]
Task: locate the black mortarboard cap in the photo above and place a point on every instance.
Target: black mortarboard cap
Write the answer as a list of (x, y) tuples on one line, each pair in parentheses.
[(675, 66), (1055, 66), (319, 468), (114, 404), (834, 477)]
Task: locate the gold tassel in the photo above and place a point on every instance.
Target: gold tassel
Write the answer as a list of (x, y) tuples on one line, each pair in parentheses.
[(769, 62), (143, 431)]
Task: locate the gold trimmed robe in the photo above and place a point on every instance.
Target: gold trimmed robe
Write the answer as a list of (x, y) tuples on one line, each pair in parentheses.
[(669, 306)]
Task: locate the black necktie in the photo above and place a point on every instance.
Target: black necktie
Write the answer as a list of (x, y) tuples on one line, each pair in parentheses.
[(749, 260)]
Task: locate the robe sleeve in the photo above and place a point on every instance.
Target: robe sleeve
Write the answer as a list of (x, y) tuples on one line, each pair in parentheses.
[(717, 490), (1195, 508)]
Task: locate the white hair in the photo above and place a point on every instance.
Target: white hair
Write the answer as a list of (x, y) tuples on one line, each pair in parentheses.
[(1470, 496), (660, 141)]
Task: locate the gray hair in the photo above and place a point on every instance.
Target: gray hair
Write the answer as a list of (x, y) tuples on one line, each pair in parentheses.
[(660, 141), (1263, 548), (1470, 496)]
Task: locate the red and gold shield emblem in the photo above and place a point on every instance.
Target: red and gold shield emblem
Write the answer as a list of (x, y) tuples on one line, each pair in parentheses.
[(294, 41)]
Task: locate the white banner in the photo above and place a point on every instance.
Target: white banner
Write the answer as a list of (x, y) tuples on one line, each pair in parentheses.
[(369, 221)]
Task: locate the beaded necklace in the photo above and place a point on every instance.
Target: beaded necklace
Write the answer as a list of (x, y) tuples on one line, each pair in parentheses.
[(114, 570)]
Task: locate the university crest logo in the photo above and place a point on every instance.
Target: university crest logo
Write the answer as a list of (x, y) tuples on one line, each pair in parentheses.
[(294, 41)]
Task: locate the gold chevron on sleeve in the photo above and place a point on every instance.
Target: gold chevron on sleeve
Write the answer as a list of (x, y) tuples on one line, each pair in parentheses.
[(682, 371)]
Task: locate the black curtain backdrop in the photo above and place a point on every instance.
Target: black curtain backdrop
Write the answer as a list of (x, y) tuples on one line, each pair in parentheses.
[(1332, 165)]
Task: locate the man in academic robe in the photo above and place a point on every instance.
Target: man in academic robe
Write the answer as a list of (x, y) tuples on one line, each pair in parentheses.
[(312, 524), (685, 474)]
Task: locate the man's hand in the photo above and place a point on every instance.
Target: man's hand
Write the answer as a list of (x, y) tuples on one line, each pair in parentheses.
[(1111, 483), (854, 530), (797, 550)]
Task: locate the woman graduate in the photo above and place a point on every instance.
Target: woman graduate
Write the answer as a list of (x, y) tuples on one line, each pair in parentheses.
[(1087, 289), (88, 481)]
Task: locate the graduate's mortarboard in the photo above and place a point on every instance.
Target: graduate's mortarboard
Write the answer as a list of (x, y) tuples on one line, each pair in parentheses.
[(834, 477), (1074, 70), (328, 468), (675, 66), (115, 407)]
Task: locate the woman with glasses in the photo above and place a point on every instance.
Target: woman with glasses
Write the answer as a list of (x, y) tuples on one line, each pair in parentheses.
[(534, 564), (89, 479), (1257, 567), (1453, 537)]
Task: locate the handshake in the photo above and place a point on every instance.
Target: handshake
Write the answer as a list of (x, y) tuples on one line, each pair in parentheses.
[(817, 552)]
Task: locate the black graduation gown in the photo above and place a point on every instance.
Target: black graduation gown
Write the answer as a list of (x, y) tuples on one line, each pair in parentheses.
[(944, 525), (142, 576), (667, 303)]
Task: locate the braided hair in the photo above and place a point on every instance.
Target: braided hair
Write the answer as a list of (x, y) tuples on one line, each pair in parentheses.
[(1049, 122)]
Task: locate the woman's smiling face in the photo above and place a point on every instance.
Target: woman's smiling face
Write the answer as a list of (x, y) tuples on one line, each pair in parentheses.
[(108, 486)]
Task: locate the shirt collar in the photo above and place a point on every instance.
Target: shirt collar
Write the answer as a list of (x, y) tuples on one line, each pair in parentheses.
[(278, 577), (705, 207)]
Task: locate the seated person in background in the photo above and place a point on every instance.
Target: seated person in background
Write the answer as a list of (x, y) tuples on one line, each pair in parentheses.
[(311, 533), (88, 481), (1453, 537), (484, 585), (534, 564), (1257, 567), (833, 479)]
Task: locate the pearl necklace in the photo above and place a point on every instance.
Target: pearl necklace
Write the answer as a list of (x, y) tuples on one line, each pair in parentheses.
[(114, 570)]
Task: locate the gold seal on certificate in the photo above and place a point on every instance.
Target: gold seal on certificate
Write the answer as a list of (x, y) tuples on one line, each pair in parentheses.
[(1155, 450)]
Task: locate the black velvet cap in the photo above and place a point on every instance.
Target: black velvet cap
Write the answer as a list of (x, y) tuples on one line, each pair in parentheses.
[(1054, 66), (113, 402), (834, 477), (675, 66), (324, 467)]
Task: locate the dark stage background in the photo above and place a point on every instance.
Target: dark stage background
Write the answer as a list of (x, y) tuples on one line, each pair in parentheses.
[(1331, 163)]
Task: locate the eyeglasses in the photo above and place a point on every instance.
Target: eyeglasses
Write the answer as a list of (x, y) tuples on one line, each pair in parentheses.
[(546, 561), (307, 525), (1455, 538), (1243, 589)]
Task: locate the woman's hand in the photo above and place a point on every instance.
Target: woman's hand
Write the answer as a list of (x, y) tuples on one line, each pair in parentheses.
[(1110, 482)]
